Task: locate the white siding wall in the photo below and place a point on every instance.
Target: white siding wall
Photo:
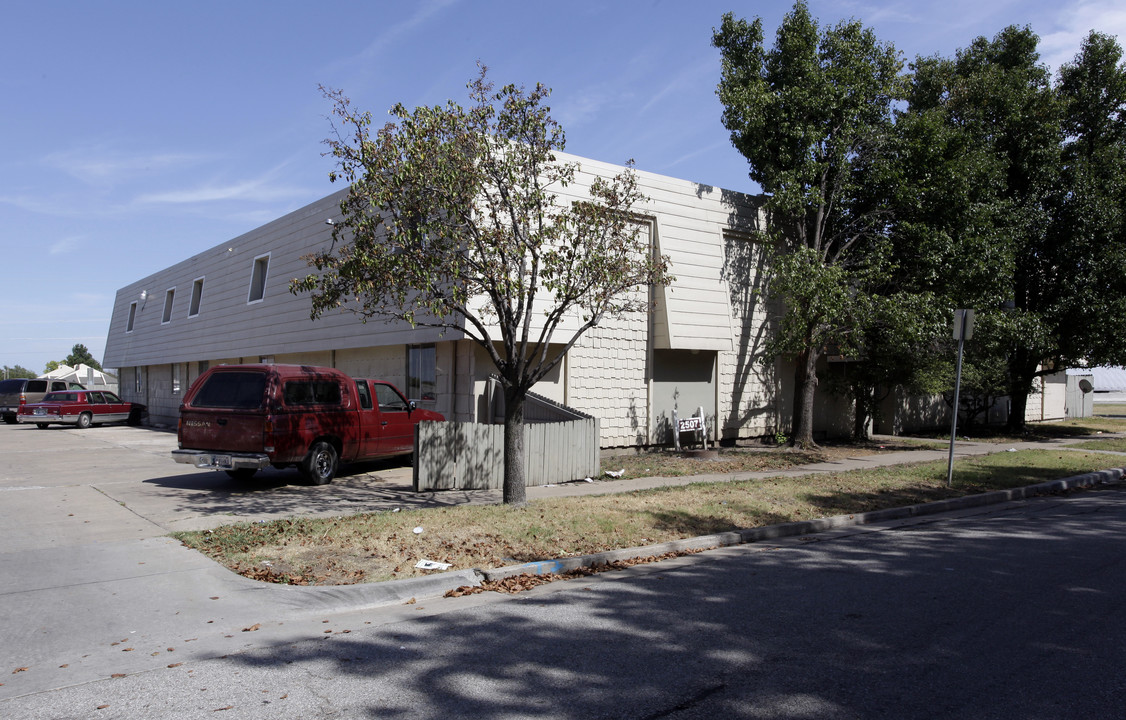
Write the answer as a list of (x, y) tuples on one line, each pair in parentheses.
[(1049, 400), (748, 390), (608, 379), (227, 324), (607, 374)]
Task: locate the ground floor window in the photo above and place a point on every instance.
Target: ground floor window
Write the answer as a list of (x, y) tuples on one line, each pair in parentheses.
[(422, 373)]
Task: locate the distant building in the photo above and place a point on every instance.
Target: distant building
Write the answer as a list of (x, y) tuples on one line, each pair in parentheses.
[(1109, 384), (89, 377)]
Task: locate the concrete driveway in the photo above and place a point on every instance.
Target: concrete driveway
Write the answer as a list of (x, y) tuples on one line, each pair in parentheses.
[(89, 570), (56, 478)]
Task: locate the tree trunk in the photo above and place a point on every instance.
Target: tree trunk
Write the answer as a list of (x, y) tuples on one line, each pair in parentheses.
[(864, 400), (805, 386), (515, 486), (1022, 372)]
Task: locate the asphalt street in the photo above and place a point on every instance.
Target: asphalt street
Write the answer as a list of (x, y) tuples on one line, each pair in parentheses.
[(1008, 611)]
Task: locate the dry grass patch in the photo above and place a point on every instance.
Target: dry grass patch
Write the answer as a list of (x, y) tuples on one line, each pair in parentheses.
[(752, 458), (381, 546)]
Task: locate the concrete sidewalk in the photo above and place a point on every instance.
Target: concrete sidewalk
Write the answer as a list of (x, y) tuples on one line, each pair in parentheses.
[(96, 589)]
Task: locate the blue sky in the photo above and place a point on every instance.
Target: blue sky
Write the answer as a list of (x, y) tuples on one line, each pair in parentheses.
[(135, 134)]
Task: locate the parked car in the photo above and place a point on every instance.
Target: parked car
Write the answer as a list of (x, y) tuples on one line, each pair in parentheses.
[(243, 418), (81, 408), (16, 392)]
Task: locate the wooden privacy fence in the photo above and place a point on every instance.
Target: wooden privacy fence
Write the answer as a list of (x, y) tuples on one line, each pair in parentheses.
[(470, 456)]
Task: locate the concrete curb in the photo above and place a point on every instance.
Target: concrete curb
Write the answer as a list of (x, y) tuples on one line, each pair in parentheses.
[(806, 527), (338, 598)]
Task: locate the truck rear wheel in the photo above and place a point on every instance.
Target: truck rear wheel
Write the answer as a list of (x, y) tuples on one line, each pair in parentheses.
[(319, 466)]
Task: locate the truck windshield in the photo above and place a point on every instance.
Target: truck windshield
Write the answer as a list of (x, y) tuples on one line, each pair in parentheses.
[(237, 390)]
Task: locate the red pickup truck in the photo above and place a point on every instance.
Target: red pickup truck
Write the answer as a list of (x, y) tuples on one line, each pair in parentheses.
[(243, 418)]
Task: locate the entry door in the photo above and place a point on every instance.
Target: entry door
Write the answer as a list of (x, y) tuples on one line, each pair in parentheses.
[(683, 380)]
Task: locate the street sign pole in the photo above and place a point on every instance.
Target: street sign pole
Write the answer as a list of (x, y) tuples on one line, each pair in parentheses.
[(963, 329)]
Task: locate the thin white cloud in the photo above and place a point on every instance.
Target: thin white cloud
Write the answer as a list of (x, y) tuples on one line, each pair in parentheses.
[(391, 35), (39, 205), (65, 245), (264, 188), (247, 191), (102, 165), (704, 150), (1074, 21), (703, 71), (581, 107)]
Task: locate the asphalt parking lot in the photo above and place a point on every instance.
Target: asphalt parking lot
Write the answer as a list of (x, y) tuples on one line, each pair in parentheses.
[(131, 467)]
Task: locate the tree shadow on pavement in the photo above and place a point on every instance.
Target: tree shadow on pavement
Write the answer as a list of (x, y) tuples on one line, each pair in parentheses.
[(981, 617), (361, 487)]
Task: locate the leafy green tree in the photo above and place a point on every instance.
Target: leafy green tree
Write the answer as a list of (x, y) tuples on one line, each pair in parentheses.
[(52, 366), (17, 371), (1049, 231), (452, 220), (896, 345), (1088, 232), (80, 355), (945, 250), (811, 114)]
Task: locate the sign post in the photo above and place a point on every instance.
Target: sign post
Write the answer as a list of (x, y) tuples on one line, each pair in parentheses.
[(963, 330), (697, 425)]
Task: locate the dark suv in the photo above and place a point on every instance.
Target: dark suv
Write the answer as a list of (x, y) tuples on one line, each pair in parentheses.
[(20, 391)]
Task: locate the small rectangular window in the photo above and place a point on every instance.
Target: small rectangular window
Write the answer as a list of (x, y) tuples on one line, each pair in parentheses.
[(389, 400), (312, 392), (422, 379), (197, 296), (258, 278), (365, 394), (175, 378), (132, 317), (169, 299), (236, 390)]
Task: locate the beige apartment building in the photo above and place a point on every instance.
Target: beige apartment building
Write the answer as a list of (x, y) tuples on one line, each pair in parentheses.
[(700, 347)]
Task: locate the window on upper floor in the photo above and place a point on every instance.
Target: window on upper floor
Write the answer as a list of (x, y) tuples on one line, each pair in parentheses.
[(169, 299), (197, 296), (132, 317), (258, 278)]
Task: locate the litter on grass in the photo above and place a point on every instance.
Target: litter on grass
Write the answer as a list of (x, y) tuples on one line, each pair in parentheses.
[(432, 565)]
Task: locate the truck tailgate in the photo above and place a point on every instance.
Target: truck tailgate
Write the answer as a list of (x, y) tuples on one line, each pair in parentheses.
[(219, 430)]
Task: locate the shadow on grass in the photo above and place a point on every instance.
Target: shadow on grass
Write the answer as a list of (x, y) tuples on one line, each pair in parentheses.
[(688, 524)]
